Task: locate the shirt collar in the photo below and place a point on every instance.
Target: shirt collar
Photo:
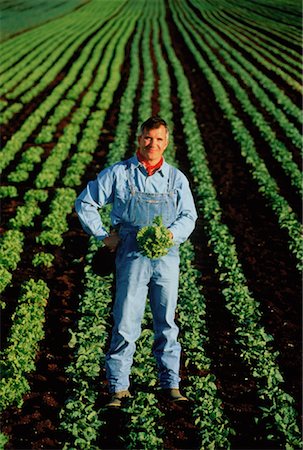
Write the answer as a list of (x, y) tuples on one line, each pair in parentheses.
[(163, 171)]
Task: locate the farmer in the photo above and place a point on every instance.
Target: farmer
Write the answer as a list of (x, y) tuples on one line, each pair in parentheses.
[(139, 189)]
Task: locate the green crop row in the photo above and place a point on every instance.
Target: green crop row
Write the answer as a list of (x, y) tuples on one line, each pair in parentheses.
[(208, 411), (79, 417), (18, 358), (251, 335), (26, 213), (8, 191), (55, 223), (11, 245), (29, 158)]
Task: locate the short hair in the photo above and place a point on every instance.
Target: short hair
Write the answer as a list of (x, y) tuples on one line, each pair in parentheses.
[(153, 122)]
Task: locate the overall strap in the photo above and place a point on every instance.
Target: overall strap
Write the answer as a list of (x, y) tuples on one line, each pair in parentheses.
[(130, 178), (172, 178)]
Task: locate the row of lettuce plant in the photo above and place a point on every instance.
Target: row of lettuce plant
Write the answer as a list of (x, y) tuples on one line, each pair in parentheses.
[(55, 223), (143, 428), (11, 244), (29, 159), (18, 358), (61, 111), (214, 428), (280, 417), (284, 102), (79, 417), (278, 148), (267, 185), (219, 18), (11, 247), (8, 191)]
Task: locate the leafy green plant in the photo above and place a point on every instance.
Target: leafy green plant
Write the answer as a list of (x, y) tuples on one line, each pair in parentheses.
[(8, 191), (154, 240), (43, 259)]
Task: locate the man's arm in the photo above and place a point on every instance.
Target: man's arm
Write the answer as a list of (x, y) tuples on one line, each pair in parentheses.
[(98, 193)]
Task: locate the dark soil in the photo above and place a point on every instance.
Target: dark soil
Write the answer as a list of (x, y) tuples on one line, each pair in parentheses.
[(263, 252)]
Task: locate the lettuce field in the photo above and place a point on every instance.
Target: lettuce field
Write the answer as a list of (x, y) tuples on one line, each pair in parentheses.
[(75, 83)]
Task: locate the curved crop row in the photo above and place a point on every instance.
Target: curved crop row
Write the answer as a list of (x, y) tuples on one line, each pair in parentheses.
[(219, 18), (256, 19), (18, 359), (11, 245), (13, 76), (253, 19), (283, 101), (263, 56), (279, 150), (55, 223)]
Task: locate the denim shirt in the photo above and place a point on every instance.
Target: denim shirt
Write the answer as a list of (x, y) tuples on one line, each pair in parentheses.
[(111, 187)]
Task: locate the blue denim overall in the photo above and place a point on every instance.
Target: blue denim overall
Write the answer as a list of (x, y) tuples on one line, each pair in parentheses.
[(136, 277)]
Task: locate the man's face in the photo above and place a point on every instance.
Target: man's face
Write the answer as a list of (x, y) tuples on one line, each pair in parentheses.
[(152, 144)]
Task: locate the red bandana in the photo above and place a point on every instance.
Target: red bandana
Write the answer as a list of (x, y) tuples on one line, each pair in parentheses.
[(150, 169)]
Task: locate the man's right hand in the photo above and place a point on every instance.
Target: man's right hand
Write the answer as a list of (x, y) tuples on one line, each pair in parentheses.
[(112, 241)]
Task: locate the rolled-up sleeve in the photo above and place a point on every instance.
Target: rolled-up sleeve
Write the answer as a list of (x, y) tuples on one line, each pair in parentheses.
[(184, 224), (98, 193)]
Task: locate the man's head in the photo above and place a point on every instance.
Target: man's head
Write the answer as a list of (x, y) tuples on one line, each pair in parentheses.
[(153, 139)]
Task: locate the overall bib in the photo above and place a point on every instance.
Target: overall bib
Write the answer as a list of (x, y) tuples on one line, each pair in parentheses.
[(138, 276)]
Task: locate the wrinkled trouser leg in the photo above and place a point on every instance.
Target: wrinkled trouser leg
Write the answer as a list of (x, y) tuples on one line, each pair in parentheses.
[(132, 277), (163, 300)]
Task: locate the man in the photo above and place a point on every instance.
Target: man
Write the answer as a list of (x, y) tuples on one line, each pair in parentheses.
[(139, 189)]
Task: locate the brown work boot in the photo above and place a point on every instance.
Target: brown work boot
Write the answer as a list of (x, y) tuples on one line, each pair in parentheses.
[(117, 399), (174, 395)]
